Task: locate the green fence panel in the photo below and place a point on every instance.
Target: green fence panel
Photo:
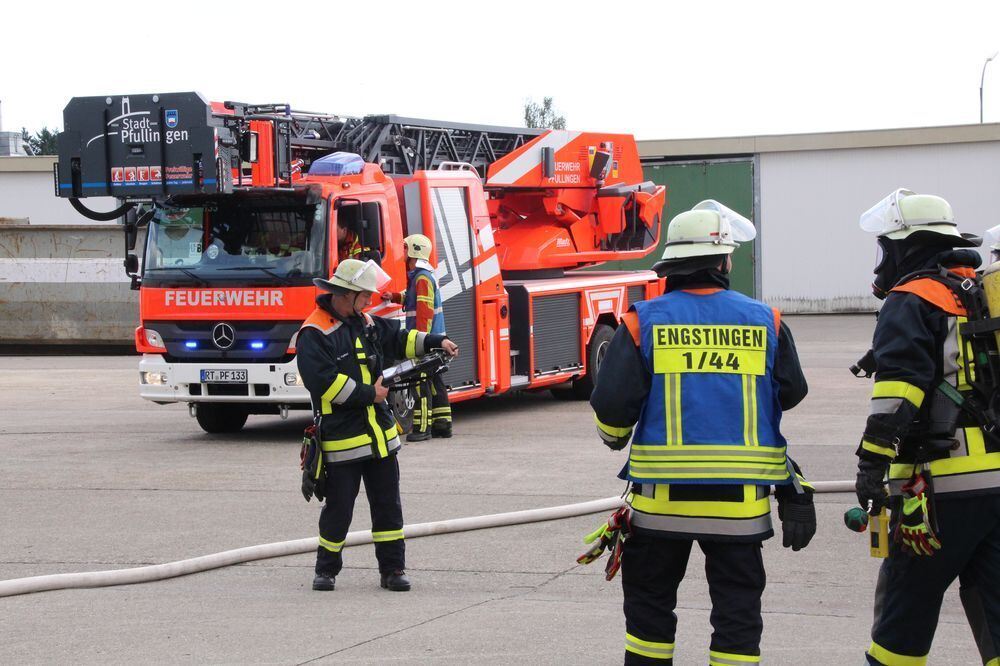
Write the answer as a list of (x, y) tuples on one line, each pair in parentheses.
[(729, 182)]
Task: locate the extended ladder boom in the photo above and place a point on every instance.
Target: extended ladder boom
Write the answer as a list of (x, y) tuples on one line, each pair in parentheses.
[(154, 146)]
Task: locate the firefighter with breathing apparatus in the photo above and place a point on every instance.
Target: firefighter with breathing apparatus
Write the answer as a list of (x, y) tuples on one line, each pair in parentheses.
[(931, 430), (697, 379), (341, 352)]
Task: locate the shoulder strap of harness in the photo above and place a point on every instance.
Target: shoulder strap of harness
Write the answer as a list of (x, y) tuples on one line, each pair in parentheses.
[(950, 290)]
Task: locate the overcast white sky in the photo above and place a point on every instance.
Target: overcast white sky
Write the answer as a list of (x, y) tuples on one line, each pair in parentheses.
[(656, 69)]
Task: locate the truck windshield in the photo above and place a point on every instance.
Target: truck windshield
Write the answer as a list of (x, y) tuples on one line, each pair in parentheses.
[(246, 243)]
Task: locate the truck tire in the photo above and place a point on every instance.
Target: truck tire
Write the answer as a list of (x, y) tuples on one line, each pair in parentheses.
[(218, 419), (598, 347), (402, 403)]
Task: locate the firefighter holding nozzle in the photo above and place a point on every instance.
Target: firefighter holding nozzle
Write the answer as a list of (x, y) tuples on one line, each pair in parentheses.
[(341, 351)]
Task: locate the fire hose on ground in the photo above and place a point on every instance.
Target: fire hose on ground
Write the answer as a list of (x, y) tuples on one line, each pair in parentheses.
[(155, 572)]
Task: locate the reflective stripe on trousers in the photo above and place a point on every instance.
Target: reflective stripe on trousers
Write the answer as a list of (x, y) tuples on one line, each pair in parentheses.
[(649, 649)]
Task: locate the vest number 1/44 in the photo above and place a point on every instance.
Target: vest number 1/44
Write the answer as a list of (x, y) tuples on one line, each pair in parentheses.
[(740, 350)]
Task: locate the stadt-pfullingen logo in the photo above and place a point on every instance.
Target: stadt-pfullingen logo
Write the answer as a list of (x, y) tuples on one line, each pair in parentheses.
[(223, 335)]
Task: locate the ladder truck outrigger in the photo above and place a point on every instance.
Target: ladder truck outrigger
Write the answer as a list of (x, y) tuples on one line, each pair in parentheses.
[(241, 204)]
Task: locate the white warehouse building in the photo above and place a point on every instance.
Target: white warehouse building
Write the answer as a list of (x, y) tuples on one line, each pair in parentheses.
[(808, 191)]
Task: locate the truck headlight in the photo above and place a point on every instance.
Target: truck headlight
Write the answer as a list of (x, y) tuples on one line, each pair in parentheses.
[(154, 378), (293, 379)]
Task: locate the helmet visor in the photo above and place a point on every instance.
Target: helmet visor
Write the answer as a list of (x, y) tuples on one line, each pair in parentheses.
[(733, 226), (884, 217), (382, 278), (991, 238)]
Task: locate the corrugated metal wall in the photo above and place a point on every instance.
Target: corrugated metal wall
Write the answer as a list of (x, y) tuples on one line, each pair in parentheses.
[(814, 258)]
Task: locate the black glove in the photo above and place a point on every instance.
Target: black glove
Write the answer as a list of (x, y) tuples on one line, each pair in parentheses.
[(311, 464), (308, 486), (870, 484), (798, 520)]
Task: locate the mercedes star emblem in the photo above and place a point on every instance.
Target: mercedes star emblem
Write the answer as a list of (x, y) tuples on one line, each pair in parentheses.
[(223, 335)]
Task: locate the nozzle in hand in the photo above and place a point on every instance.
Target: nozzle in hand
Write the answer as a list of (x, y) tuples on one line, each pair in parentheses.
[(856, 519)]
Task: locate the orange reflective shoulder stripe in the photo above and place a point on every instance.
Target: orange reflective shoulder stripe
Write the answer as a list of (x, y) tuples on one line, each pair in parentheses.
[(631, 321), (777, 320), (321, 319), (935, 293)]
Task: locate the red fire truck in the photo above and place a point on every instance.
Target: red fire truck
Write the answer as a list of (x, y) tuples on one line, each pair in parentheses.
[(241, 204)]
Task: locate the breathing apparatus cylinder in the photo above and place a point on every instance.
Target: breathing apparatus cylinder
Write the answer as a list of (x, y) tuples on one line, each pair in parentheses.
[(991, 285)]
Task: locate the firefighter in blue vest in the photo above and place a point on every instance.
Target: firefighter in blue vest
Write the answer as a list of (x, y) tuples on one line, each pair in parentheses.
[(931, 432), (697, 379), (422, 302)]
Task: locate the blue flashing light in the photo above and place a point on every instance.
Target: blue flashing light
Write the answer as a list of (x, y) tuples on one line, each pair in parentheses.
[(337, 164), (191, 344), (256, 345)]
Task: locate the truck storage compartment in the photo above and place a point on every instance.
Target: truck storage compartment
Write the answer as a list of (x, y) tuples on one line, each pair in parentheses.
[(555, 333), (544, 332)]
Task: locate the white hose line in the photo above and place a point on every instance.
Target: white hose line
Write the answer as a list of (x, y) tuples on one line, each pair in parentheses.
[(15, 586), (833, 486), (298, 546)]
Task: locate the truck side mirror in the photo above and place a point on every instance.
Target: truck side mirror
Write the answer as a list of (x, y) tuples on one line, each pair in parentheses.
[(131, 235), (133, 219), (600, 163), (131, 263)]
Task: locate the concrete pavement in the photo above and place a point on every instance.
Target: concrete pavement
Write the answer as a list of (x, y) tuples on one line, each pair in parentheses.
[(91, 477)]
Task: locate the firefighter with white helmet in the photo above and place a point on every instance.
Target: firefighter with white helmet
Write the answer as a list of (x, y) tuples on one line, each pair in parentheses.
[(341, 351), (422, 302), (697, 379), (991, 239), (930, 431)]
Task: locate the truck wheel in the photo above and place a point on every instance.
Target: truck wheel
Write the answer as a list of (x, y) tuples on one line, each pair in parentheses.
[(218, 419), (402, 403), (598, 347)]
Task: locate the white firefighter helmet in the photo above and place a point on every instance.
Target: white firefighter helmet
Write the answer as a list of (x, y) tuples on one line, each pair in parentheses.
[(904, 213), (991, 238), (355, 275), (418, 246), (709, 228)]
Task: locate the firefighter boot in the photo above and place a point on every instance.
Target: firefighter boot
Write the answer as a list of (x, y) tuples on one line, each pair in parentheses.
[(418, 436), (324, 582), (396, 581), (441, 429)]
